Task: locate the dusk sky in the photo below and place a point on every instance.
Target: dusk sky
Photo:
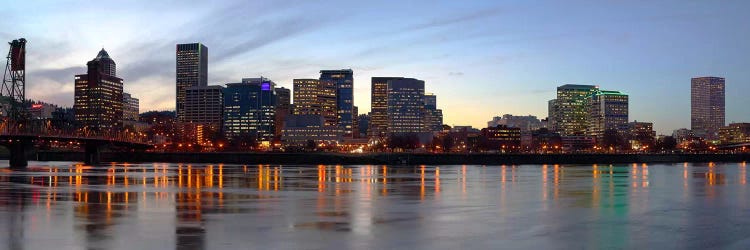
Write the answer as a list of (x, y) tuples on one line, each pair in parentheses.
[(481, 58)]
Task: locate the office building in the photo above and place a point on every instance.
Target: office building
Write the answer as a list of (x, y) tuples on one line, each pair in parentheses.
[(433, 117), (707, 106), (283, 108), (313, 97), (641, 135), (501, 138), (42, 110), (130, 108), (735, 133), (683, 135), (571, 109), (98, 101), (405, 105), (300, 130), (525, 123), (249, 109), (609, 111), (379, 107), (192, 71), (344, 82), (204, 105)]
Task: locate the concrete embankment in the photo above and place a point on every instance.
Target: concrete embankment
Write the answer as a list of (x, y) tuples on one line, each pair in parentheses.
[(392, 159)]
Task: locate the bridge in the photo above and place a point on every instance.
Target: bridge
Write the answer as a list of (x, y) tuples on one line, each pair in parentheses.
[(20, 134)]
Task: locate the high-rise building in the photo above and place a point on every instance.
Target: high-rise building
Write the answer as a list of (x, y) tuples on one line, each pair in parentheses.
[(344, 82), (552, 114), (313, 97), (405, 106), (98, 102), (203, 114), (283, 98), (433, 117), (250, 109), (707, 106), (379, 107), (571, 109), (192, 71), (283, 105), (364, 124), (204, 105), (130, 107), (609, 110)]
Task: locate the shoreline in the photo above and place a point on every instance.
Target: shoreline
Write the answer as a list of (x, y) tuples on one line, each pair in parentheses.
[(254, 158)]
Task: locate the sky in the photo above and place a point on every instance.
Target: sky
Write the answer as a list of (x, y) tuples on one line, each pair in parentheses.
[(481, 58)]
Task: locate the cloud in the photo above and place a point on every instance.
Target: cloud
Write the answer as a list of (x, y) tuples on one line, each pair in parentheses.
[(59, 74), (467, 17), (455, 73)]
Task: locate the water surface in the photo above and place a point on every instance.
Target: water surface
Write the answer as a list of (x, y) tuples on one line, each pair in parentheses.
[(64, 205)]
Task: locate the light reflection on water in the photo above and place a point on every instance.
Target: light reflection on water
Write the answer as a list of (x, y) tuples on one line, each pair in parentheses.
[(188, 206)]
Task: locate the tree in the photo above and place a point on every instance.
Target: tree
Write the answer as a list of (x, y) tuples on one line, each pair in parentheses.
[(311, 145), (667, 143), (612, 139)]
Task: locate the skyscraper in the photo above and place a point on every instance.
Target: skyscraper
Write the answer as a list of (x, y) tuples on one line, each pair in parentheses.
[(204, 105), (203, 114), (130, 107), (609, 110), (313, 97), (433, 117), (98, 102), (249, 109), (405, 106), (192, 71), (379, 107), (344, 82), (707, 106), (571, 109), (283, 99)]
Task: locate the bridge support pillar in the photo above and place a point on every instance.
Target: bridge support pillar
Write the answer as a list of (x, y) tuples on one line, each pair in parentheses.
[(92, 153), (19, 153)]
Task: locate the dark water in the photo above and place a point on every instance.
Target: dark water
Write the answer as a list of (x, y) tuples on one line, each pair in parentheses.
[(63, 205)]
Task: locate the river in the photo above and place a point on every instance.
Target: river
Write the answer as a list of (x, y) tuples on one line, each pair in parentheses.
[(65, 205)]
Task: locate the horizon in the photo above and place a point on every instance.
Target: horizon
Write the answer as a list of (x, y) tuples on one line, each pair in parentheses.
[(515, 68)]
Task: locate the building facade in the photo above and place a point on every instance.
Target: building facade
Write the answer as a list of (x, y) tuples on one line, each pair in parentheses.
[(192, 71), (299, 130), (204, 105), (609, 111), (571, 109), (131, 107), (707, 106), (405, 106), (250, 109), (641, 135), (735, 133), (344, 82), (501, 138), (98, 101), (379, 107), (313, 97), (433, 117)]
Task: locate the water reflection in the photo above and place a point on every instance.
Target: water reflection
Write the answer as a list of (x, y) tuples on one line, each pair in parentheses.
[(197, 206)]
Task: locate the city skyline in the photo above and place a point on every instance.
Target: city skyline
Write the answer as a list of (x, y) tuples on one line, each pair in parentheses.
[(650, 51)]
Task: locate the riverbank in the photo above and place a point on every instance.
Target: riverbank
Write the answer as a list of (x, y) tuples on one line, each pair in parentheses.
[(391, 158)]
